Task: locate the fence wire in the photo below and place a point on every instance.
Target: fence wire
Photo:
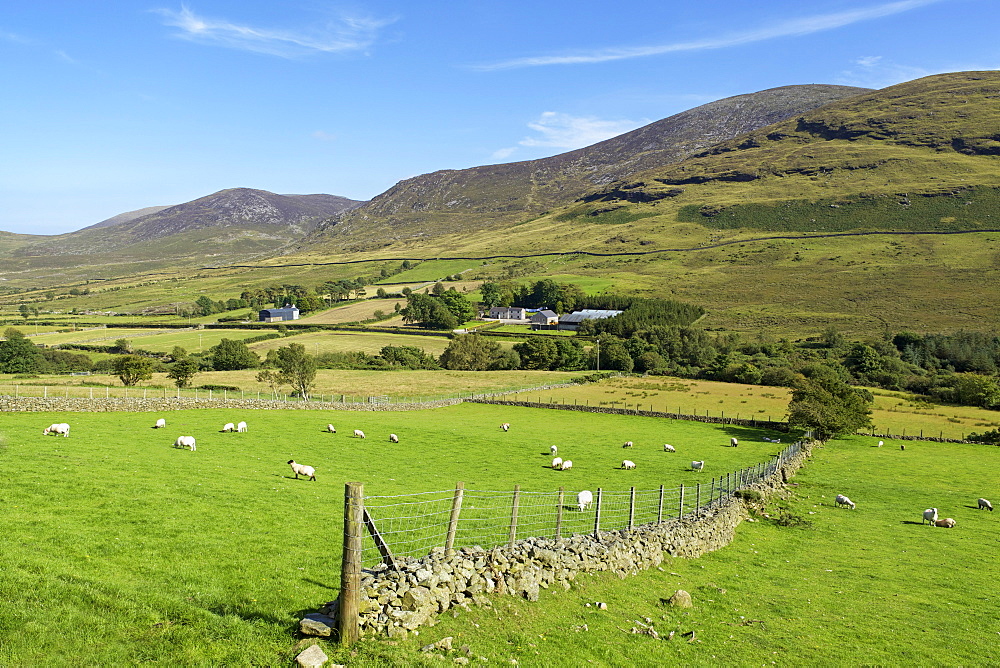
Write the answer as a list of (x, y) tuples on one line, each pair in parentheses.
[(412, 525)]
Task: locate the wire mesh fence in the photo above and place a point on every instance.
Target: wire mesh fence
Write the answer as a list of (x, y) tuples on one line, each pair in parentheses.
[(411, 525)]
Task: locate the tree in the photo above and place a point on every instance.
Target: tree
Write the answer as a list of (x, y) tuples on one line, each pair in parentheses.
[(538, 352), (229, 355), (296, 368), (183, 372), (25, 311), (18, 354), (204, 306), (272, 378), (827, 405), (132, 369), (123, 346), (972, 389), (381, 293), (458, 305), (470, 352)]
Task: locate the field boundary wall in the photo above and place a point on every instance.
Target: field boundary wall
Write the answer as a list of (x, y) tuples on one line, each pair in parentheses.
[(402, 594)]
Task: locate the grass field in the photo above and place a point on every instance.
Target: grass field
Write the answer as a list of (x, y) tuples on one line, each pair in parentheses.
[(144, 552), (353, 312), (366, 342), (893, 412)]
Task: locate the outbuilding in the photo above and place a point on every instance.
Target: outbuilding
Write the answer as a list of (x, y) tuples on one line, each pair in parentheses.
[(571, 321), (279, 314)]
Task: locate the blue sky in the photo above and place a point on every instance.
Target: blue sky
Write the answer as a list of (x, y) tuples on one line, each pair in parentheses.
[(109, 107)]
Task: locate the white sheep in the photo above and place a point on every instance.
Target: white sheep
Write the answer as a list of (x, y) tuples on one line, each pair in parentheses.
[(628, 444), (844, 501), (241, 427), (584, 499), (553, 449), (57, 428), (185, 442), (947, 523), (566, 465), (628, 464), (983, 503), (160, 424), (330, 428), (557, 462), (930, 516), (668, 448), (697, 466), (359, 434), (733, 442), (881, 443), (229, 426), (302, 469), (505, 426), (393, 438)]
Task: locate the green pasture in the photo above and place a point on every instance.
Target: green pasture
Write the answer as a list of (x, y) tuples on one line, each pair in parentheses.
[(805, 584), (366, 342), (144, 552), (96, 336), (433, 270)]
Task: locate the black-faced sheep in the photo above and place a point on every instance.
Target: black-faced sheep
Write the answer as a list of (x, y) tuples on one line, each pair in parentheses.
[(668, 448), (983, 503), (330, 428), (628, 444), (628, 464), (733, 442), (393, 438), (359, 434), (302, 469), (161, 423), (505, 426), (229, 426), (553, 449)]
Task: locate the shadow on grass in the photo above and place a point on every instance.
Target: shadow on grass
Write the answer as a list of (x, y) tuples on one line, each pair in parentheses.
[(912, 522)]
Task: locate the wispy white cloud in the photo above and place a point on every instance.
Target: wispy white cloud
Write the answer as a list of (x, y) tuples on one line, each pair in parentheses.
[(345, 34), (14, 38), (558, 130), (323, 136), (791, 28)]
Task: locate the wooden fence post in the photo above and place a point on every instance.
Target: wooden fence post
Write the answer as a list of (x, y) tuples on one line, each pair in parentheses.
[(559, 513), (631, 508), (697, 497), (456, 508), (597, 513), (513, 515), (659, 510), (350, 569), (680, 504)]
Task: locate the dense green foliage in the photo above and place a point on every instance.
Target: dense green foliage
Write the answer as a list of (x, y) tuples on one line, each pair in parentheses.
[(446, 309), (132, 369), (822, 402), (472, 352), (230, 355)]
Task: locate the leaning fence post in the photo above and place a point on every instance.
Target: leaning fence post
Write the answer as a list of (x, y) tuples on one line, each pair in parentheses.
[(597, 513), (697, 497), (456, 508), (680, 503), (350, 569), (559, 512), (513, 514), (631, 508), (659, 510)]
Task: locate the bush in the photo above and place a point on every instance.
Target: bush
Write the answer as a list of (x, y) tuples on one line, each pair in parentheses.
[(749, 495), (210, 386)]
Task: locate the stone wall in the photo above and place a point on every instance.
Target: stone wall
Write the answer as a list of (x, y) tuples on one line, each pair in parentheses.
[(396, 602), (101, 405)]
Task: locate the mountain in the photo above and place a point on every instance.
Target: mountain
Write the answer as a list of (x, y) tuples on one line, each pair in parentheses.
[(924, 154), (127, 216), (237, 220), (499, 195)]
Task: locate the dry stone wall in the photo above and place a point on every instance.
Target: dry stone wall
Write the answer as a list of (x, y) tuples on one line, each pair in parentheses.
[(100, 405), (396, 602)]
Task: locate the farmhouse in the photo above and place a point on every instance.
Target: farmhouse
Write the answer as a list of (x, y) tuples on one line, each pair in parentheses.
[(544, 319), (279, 314), (508, 313), (572, 320)]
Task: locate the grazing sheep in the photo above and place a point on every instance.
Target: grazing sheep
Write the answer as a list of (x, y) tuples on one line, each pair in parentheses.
[(668, 448), (733, 442), (584, 499), (553, 449), (697, 466), (505, 426), (557, 462), (930, 516), (902, 447), (947, 523), (302, 469), (330, 428), (241, 427), (57, 428), (628, 444), (359, 434), (566, 465), (160, 424), (229, 427), (983, 503), (628, 464), (185, 442), (844, 501), (393, 438), (881, 443)]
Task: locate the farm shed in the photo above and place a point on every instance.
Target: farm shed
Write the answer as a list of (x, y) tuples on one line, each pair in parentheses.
[(572, 320), (279, 314)]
